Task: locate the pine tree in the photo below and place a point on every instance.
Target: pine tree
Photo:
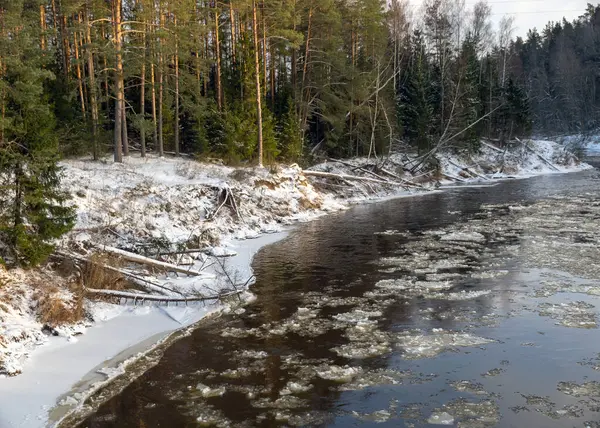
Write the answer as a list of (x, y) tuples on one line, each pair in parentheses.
[(33, 211)]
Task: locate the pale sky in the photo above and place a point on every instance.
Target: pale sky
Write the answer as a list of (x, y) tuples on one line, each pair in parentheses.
[(530, 13)]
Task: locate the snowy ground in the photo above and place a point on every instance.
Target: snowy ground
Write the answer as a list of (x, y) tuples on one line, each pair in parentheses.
[(152, 205), (589, 143)]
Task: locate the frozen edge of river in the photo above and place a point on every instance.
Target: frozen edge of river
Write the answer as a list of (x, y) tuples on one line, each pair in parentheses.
[(58, 372), (105, 352)]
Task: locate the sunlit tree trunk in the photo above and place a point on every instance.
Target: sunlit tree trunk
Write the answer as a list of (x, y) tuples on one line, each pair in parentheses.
[(258, 90)]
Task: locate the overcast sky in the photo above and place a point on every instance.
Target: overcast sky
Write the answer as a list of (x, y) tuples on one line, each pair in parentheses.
[(531, 13)]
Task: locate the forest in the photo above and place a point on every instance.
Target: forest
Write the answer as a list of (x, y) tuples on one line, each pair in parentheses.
[(257, 82), (274, 80)]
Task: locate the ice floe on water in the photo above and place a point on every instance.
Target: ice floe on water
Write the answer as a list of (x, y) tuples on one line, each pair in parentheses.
[(468, 386), (341, 374), (469, 414), (362, 350), (295, 387), (377, 416), (464, 237), (441, 418), (377, 377), (589, 389), (415, 346), (207, 391), (358, 316), (573, 314), (461, 295)]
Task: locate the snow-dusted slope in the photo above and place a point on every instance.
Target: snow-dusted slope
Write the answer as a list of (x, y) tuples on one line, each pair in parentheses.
[(144, 205)]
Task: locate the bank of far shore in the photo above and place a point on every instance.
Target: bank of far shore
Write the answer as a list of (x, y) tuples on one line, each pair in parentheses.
[(57, 346)]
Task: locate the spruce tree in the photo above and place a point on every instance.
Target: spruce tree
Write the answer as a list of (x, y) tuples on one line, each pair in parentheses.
[(32, 207)]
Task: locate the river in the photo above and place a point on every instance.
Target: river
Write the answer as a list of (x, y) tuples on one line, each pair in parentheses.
[(471, 307)]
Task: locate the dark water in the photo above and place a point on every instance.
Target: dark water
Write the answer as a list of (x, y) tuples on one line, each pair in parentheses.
[(338, 257)]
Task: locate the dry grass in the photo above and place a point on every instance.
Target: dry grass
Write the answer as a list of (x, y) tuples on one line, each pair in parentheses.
[(54, 308), (95, 275)]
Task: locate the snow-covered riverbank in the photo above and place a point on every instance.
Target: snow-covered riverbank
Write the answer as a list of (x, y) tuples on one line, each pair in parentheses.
[(151, 205)]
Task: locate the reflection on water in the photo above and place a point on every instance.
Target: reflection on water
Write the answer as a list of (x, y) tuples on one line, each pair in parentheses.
[(474, 307)]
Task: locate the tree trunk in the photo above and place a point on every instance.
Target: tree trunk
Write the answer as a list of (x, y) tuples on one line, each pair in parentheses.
[(124, 128), (92, 82), (176, 92), (154, 120), (305, 72), (143, 100), (264, 50), (258, 90), (79, 76), (272, 71), (218, 87), (294, 65), (119, 84), (161, 146), (66, 46), (233, 38), (106, 86), (43, 27)]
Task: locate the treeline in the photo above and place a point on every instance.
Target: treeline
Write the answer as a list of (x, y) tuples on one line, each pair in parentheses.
[(560, 71), (233, 77)]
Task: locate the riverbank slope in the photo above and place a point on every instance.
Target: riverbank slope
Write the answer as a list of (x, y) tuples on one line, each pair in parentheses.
[(181, 211)]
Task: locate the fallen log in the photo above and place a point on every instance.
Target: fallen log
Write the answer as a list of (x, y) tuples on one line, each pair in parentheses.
[(140, 297), (361, 168), (492, 147), (346, 177), (136, 279), (546, 161), (397, 177), (454, 178), (136, 258), (468, 170)]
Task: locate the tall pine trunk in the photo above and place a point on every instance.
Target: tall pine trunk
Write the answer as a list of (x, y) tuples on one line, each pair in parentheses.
[(161, 145), (79, 74), (258, 90), (143, 99), (176, 60), (92, 81), (119, 83), (218, 85)]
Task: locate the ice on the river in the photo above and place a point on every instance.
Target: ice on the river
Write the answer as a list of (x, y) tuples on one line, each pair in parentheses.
[(362, 350), (341, 374), (469, 414), (295, 387), (468, 386), (441, 418), (460, 295), (416, 346), (207, 391), (357, 316), (376, 377), (463, 237), (572, 314), (589, 389), (378, 416)]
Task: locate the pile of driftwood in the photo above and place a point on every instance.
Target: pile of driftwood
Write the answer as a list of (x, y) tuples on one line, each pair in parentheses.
[(144, 290), (367, 174)]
